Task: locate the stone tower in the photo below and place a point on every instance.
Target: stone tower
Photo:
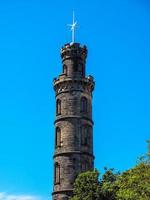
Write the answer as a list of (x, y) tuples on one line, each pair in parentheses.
[(73, 125)]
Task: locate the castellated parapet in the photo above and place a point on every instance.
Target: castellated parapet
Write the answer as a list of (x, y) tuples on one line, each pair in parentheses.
[(73, 124)]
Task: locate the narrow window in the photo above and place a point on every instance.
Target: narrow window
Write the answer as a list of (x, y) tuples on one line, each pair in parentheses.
[(85, 165), (81, 69), (89, 136), (84, 135), (57, 173), (58, 137), (75, 65), (83, 104), (65, 69), (58, 107), (74, 163)]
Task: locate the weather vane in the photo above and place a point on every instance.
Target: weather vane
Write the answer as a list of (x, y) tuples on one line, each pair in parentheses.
[(73, 27)]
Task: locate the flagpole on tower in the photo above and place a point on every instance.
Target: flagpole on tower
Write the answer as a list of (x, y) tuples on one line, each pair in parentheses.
[(73, 28)]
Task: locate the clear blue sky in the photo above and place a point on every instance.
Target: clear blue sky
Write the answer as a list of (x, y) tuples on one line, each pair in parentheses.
[(117, 34)]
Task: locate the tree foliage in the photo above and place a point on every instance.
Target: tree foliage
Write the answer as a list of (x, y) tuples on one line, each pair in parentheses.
[(107, 187), (86, 186), (133, 184)]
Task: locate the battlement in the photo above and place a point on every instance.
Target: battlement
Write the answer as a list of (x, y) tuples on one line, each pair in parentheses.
[(63, 84), (62, 78), (73, 50)]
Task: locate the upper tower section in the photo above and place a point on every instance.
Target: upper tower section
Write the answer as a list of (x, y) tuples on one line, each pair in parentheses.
[(74, 59), (73, 76)]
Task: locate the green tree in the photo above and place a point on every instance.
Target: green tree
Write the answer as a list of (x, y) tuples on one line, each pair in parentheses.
[(134, 184), (86, 186), (107, 187)]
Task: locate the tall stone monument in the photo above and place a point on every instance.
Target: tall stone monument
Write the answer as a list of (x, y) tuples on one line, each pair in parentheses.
[(73, 124)]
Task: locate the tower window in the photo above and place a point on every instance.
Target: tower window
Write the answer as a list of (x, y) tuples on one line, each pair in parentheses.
[(85, 136), (85, 166), (84, 104), (58, 137), (57, 174), (74, 163), (75, 65), (58, 107), (65, 69), (81, 68)]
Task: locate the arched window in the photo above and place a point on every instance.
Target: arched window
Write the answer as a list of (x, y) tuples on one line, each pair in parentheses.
[(65, 69), (58, 107), (85, 136), (57, 174), (84, 104), (85, 166), (74, 163), (75, 65), (81, 69), (58, 137)]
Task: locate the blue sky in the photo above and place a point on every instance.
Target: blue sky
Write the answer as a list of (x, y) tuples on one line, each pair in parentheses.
[(31, 35)]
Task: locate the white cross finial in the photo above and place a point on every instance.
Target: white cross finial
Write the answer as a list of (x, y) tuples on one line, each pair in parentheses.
[(73, 27)]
